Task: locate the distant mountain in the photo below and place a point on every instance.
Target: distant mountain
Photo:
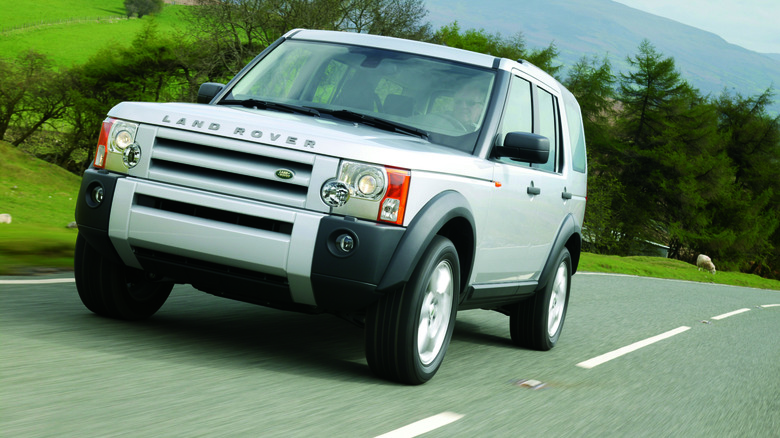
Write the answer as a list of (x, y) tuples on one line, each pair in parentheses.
[(604, 27)]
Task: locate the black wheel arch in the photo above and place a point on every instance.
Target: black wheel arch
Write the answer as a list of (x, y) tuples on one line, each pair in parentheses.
[(569, 237), (447, 214)]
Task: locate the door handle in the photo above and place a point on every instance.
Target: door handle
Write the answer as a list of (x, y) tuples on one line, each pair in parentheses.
[(566, 195), (534, 190)]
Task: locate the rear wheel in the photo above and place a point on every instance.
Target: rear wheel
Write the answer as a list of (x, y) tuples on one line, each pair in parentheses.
[(537, 322), (111, 289), (408, 332)]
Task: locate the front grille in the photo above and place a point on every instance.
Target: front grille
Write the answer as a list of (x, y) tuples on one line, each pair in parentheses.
[(231, 167)]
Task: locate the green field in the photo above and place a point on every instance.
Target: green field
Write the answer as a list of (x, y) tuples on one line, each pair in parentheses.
[(72, 31), (17, 12)]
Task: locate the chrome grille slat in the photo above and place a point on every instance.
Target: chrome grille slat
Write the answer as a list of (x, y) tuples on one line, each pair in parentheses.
[(231, 162), (223, 166)]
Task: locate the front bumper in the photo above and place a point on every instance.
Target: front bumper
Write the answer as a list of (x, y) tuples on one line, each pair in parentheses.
[(234, 247)]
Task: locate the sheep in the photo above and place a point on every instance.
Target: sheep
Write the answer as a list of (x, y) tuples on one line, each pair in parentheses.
[(705, 262), (5, 218)]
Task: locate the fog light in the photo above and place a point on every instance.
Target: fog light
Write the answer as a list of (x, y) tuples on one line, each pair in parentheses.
[(345, 243), (97, 195)]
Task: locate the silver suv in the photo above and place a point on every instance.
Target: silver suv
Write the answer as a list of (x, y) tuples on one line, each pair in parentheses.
[(389, 181)]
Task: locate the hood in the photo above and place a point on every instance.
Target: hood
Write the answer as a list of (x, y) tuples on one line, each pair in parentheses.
[(318, 135)]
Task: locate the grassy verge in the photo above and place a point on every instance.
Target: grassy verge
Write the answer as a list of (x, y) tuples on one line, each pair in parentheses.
[(41, 199), (668, 268)]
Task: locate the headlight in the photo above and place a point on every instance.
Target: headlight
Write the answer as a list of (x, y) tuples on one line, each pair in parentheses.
[(368, 191), (117, 149), (123, 138), (365, 181)]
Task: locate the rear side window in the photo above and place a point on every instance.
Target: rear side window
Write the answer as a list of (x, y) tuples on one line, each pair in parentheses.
[(576, 132), (548, 126)]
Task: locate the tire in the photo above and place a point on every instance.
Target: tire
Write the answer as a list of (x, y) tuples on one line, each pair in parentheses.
[(408, 332), (113, 290), (537, 322)]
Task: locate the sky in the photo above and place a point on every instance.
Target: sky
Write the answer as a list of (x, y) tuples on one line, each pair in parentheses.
[(752, 24)]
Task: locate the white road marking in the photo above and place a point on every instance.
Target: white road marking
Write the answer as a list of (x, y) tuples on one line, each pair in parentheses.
[(43, 281), (766, 306), (726, 315), (423, 426), (596, 361)]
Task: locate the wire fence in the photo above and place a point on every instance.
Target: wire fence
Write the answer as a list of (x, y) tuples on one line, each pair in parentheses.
[(73, 20)]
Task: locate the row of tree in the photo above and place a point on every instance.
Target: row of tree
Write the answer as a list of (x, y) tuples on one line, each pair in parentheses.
[(666, 164)]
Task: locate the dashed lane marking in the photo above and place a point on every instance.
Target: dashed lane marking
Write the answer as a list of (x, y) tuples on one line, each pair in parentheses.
[(596, 361), (726, 315), (423, 426)]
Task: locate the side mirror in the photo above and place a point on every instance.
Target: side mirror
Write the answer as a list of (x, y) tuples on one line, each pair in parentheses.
[(525, 147), (208, 91)]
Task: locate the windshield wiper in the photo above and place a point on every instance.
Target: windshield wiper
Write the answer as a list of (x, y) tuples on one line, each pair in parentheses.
[(376, 122), (276, 106)]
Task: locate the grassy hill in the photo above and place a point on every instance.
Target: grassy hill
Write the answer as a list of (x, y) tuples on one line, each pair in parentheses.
[(72, 31), (41, 199), (16, 13)]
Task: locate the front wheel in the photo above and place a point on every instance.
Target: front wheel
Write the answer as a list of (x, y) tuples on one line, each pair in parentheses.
[(538, 321), (111, 289), (408, 332)]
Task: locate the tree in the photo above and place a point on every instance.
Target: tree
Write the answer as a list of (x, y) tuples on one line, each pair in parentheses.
[(148, 70), (650, 94), (496, 45), (593, 85), (753, 145), (31, 95), (228, 33), (142, 7), (670, 157), (396, 18)]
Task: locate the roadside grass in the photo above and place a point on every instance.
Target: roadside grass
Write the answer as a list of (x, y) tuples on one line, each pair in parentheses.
[(74, 43), (660, 267), (41, 198)]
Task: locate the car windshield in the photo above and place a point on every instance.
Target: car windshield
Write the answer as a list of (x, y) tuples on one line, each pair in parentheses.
[(441, 100)]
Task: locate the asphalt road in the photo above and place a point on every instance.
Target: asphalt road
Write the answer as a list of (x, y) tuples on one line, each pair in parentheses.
[(211, 367)]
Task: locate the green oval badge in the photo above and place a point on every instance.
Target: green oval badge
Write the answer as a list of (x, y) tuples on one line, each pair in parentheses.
[(284, 173)]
